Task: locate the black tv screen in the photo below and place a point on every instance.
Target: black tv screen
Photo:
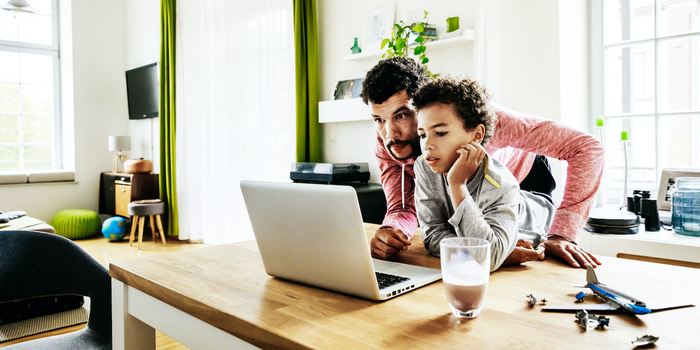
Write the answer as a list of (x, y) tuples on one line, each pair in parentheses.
[(142, 91)]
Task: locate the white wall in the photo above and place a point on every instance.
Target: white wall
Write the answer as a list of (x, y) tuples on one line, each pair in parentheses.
[(530, 70), (536, 61), (98, 109), (341, 21), (142, 48)]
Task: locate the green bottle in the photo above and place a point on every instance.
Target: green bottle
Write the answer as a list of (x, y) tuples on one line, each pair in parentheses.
[(355, 49)]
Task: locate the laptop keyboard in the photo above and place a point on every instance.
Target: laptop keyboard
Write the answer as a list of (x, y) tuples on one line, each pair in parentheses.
[(386, 280)]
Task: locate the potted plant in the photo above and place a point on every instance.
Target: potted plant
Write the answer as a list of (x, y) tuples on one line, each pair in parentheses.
[(398, 44)]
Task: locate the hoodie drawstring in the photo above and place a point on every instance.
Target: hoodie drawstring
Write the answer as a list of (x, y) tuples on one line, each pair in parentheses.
[(403, 194)]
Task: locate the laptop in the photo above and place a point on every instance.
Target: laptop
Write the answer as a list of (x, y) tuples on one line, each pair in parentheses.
[(313, 234)]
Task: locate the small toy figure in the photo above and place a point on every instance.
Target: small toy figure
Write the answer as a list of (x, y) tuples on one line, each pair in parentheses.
[(532, 300), (645, 340), (544, 301), (603, 322)]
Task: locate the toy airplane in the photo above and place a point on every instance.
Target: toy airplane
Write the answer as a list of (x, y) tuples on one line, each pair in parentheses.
[(616, 300)]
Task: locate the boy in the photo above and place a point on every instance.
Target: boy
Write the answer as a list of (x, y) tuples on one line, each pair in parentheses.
[(462, 191)]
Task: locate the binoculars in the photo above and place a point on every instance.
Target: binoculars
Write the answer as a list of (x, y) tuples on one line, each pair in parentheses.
[(641, 204)]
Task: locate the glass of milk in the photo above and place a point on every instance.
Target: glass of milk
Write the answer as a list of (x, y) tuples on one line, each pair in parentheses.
[(465, 274)]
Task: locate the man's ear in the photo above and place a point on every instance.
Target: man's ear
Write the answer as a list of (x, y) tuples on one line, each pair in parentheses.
[(479, 132)]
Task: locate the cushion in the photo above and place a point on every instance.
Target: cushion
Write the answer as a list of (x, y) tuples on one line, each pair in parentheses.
[(18, 310), (76, 223), (29, 224), (146, 209)]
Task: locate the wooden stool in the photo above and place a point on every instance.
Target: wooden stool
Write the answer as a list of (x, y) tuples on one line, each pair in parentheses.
[(138, 211)]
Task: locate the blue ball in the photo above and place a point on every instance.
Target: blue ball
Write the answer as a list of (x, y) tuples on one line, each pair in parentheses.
[(114, 228)]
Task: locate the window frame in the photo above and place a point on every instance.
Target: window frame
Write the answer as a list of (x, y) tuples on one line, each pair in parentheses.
[(598, 72), (54, 52)]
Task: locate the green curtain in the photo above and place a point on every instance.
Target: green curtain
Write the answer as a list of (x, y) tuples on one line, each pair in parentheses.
[(167, 114), (307, 82)]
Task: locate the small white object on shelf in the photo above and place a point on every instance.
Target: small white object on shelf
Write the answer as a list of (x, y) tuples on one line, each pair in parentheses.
[(467, 37)]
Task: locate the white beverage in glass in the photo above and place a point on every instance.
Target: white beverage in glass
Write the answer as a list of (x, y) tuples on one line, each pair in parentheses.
[(465, 274)]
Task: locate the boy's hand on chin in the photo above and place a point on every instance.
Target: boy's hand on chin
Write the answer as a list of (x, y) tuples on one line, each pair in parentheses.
[(465, 166)]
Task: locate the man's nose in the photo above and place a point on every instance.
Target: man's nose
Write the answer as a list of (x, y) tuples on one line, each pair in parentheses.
[(392, 131)]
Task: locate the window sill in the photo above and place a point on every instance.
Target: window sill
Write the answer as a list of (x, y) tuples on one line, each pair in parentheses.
[(37, 177)]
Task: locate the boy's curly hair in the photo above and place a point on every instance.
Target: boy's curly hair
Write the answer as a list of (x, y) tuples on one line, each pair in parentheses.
[(391, 76), (469, 99)]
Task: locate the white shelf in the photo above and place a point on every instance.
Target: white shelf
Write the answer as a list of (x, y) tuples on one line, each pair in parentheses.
[(466, 38), (347, 110)]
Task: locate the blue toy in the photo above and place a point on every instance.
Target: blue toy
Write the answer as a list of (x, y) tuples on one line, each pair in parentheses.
[(114, 228)]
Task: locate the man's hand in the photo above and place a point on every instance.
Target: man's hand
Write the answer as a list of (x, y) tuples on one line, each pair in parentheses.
[(388, 241), (569, 252), (465, 166), (524, 252)]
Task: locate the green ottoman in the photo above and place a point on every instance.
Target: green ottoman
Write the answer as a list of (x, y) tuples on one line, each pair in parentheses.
[(76, 223)]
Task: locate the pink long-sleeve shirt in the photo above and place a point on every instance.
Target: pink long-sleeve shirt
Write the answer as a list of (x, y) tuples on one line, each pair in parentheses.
[(518, 137)]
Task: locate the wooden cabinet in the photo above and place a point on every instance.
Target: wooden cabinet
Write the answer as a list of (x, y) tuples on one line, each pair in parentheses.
[(117, 190), (122, 198)]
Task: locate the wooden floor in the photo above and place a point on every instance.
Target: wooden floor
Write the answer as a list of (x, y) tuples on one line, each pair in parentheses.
[(105, 252)]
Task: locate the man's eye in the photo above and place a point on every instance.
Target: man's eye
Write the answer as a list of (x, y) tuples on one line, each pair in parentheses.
[(399, 116), (441, 134)]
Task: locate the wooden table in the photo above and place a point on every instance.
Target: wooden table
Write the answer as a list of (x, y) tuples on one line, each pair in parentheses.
[(214, 297)]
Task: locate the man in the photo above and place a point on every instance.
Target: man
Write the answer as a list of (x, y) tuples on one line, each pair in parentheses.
[(518, 138)]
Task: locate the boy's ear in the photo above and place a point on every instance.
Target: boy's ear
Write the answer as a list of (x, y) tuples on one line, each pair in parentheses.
[(479, 133)]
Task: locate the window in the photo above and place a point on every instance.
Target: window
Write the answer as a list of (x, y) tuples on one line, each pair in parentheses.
[(648, 58), (30, 136)]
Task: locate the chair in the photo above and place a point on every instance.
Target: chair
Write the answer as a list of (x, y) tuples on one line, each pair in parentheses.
[(35, 264), (139, 210)]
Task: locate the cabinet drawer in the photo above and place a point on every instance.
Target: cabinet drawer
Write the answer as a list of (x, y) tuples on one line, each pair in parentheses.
[(122, 198)]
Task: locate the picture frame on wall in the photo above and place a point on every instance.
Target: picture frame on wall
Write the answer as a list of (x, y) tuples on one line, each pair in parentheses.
[(668, 184), (380, 21), (346, 89)]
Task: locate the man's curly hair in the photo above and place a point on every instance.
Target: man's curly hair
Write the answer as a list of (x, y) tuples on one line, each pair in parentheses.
[(391, 76), (469, 99)]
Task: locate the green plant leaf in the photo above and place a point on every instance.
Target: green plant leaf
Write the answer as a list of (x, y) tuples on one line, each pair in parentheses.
[(425, 60), (418, 28), (419, 50), (426, 14), (384, 42), (420, 39), (399, 45)]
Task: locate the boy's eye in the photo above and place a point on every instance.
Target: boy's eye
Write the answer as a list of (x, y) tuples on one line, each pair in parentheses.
[(378, 120), (441, 133), (422, 136)]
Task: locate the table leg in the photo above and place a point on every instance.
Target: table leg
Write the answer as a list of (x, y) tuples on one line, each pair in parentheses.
[(128, 332)]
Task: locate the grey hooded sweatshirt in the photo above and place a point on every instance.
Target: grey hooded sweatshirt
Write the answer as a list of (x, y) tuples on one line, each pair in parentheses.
[(495, 210)]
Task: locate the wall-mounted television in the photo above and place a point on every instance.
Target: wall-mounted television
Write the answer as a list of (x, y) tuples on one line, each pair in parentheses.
[(142, 91)]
